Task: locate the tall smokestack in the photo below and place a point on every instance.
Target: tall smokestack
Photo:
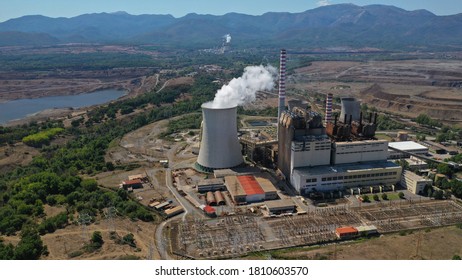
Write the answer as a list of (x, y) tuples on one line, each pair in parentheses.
[(282, 82), (329, 108)]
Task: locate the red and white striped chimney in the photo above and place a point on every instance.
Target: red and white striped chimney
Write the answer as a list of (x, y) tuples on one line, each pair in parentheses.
[(329, 108), (282, 83)]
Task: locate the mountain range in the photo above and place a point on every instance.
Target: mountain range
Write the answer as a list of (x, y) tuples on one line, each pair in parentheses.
[(342, 25)]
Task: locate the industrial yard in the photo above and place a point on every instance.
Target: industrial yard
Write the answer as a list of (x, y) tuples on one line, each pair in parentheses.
[(233, 236)]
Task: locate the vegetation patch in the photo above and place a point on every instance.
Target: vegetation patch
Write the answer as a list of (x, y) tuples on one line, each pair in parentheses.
[(41, 138)]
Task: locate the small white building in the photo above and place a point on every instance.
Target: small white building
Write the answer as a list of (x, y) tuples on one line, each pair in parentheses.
[(413, 182), (396, 149)]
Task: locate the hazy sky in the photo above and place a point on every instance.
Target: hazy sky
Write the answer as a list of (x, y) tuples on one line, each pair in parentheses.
[(69, 8)]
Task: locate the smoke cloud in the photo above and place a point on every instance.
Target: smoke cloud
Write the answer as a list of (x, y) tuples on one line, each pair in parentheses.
[(227, 38), (242, 90), (322, 3)]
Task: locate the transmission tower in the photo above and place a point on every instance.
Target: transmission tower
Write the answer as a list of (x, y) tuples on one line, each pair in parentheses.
[(84, 219), (110, 214), (150, 251)]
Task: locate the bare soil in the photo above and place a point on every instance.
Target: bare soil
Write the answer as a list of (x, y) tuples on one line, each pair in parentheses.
[(15, 155), (404, 87)]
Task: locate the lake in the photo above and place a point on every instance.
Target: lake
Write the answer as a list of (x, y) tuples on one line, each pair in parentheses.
[(21, 108)]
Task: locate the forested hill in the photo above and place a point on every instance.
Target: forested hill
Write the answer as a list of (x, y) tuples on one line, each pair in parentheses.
[(343, 25)]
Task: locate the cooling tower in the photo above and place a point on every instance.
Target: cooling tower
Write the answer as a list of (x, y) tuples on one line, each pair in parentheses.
[(350, 107), (220, 146)]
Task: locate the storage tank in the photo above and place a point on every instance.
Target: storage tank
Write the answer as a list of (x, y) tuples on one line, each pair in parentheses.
[(219, 146), (219, 198), (350, 107), (211, 199)]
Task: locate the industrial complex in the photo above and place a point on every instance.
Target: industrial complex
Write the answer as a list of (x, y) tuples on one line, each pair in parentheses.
[(261, 185)]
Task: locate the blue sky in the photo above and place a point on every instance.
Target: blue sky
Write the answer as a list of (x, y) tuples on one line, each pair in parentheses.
[(69, 8)]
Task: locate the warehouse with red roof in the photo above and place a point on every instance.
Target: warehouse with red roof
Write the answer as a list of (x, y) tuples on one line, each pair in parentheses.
[(248, 188)]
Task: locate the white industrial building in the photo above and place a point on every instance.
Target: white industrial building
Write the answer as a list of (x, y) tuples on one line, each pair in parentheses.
[(413, 182), (397, 149), (339, 177), (315, 161), (359, 151), (310, 151)]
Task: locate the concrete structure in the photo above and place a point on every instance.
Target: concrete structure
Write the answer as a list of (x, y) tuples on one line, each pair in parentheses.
[(210, 185), (310, 150), (350, 107), (248, 188), (210, 198), (302, 140), (313, 162), (141, 177), (414, 183), (219, 198), (282, 82), (359, 151), (339, 177), (220, 146), (328, 117), (366, 230), (396, 149), (276, 207), (267, 187)]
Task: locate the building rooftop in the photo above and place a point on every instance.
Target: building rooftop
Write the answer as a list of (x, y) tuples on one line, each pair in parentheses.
[(346, 230), (364, 142), (413, 176), (132, 182), (407, 146), (250, 185), (265, 183), (345, 168), (137, 176), (208, 182), (233, 186), (282, 203)]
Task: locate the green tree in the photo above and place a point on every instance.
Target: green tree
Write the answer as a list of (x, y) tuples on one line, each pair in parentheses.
[(456, 257), (384, 196), (97, 239), (6, 251), (376, 197), (444, 169), (129, 239), (30, 247), (365, 198), (401, 195)]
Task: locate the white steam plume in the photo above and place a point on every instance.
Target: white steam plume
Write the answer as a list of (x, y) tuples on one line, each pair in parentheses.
[(227, 38), (242, 90)]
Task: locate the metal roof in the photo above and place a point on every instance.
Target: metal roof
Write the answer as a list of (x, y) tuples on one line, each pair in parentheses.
[(344, 168), (250, 185), (283, 203), (346, 230), (132, 182), (407, 146), (266, 184)]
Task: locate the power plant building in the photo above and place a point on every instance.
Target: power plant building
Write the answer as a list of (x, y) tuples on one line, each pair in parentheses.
[(345, 155), (359, 151), (338, 177), (220, 148)]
